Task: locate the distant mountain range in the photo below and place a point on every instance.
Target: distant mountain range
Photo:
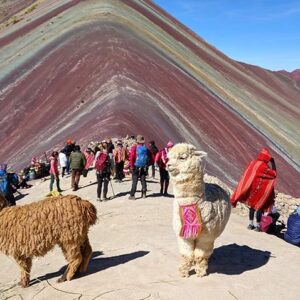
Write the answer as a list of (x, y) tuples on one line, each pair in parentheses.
[(92, 69)]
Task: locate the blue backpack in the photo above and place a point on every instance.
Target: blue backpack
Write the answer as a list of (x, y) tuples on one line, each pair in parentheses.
[(3, 182), (141, 156)]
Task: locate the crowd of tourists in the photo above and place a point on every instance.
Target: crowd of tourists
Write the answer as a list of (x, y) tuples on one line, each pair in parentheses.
[(139, 159)]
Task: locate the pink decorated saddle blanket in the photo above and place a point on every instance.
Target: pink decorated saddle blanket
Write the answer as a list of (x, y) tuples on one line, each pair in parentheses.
[(190, 221)]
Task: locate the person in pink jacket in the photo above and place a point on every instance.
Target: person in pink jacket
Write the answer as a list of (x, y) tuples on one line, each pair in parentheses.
[(161, 160), (54, 174)]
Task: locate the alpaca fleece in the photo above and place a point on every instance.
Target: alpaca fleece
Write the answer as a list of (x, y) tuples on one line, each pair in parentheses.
[(186, 171), (34, 229)]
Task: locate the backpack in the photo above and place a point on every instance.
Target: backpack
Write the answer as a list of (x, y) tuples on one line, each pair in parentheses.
[(102, 163), (265, 223), (13, 179), (141, 156), (3, 182)]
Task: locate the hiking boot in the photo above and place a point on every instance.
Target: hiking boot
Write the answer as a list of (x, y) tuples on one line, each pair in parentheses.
[(131, 198), (250, 227)]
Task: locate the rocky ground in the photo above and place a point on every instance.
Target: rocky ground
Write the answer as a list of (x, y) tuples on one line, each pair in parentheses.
[(135, 256)]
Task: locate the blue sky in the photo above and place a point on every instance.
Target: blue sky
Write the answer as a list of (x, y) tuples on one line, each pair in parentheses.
[(265, 33)]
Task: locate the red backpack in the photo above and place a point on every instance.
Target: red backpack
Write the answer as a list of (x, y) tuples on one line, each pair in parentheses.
[(101, 162)]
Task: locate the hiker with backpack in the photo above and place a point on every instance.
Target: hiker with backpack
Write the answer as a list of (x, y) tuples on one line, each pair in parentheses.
[(154, 150), (77, 163), (139, 160), (103, 167), (7, 186), (119, 155), (161, 159)]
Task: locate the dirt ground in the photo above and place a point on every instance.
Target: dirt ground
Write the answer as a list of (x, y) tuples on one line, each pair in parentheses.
[(135, 256)]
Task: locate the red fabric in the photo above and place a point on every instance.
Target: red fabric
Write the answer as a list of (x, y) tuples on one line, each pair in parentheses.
[(53, 166), (89, 157), (161, 159), (256, 187), (132, 156)]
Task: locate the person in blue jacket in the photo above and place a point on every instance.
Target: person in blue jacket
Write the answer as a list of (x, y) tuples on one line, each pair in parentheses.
[(292, 234)]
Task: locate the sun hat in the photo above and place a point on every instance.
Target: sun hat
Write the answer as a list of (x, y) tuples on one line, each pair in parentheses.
[(140, 139), (170, 144)]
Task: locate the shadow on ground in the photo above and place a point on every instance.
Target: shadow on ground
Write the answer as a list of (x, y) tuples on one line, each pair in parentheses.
[(234, 259), (95, 265), (20, 196)]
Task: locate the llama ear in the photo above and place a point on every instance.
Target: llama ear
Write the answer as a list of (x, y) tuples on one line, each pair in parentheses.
[(200, 153)]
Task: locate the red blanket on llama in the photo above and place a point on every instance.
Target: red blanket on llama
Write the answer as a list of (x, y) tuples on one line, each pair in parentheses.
[(256, 187)]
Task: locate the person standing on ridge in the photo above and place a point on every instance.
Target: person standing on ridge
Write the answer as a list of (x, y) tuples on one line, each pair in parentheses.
[(103, 171), (63, 161), (119, 155), (68, 149), (77, 163), (161, 159), (139, 160), (154, 150), (54, 174), (256, 187)]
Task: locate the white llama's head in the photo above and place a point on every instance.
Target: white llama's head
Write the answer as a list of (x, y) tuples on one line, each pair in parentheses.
[(185, 163)]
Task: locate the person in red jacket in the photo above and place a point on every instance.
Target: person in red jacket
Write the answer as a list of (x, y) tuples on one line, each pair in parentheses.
[(54, 174), (161, 159), (139, 161), (256, 187)]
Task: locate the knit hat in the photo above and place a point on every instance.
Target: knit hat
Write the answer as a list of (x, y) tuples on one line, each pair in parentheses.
[(140, 139), (170, 144)]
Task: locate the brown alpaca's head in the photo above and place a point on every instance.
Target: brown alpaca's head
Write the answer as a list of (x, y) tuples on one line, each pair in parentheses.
[(3, 202)]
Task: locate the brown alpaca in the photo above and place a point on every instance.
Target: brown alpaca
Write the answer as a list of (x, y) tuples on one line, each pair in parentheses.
[(34, 229)]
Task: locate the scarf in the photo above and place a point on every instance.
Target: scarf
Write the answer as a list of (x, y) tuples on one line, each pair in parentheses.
[(190, 221)]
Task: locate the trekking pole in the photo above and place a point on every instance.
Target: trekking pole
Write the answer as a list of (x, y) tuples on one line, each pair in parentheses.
[(112, 189)]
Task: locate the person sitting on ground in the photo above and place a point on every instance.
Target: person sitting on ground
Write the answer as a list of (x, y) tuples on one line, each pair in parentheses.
[(23, 181), (63, 161), (77, 163), (103, 171), (7, 188), (119, 156), (256, 187), (54, 174), (139, 159), (154, 150), (292, 234), (161, 159)]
